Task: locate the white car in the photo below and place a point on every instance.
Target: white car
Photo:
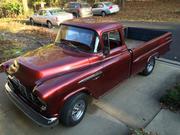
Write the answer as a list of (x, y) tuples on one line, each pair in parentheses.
[(50, 17), (105, 8)]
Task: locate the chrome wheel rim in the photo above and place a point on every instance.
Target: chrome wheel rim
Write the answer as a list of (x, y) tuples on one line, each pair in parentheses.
[(150, 65), (78, 110)]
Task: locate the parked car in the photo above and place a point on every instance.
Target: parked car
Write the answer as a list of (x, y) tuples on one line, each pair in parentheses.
[(50, 17), (104, 8), (79, 9), (51, 84)]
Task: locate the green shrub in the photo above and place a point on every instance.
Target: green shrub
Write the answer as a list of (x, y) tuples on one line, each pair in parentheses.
[(172, 98), (10, 8)]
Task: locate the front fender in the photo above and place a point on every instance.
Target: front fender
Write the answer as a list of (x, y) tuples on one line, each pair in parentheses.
[(55, 92)]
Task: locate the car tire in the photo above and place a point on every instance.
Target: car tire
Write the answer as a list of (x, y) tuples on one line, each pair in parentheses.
[(49, 24), (31, 21), (76, 15), (149, 67), (103, 14), (74, 110)]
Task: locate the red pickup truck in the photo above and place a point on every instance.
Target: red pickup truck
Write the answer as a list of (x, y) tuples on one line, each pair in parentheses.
[(51, 84)]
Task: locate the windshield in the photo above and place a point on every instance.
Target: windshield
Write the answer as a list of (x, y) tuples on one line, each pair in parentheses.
[(83, 39)]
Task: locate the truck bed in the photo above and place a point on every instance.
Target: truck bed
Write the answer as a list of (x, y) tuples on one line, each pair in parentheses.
[(131, 43), (135, 37)]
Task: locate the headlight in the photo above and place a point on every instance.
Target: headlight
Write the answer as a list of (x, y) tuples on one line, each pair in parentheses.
[(38, 101), (42, 104)]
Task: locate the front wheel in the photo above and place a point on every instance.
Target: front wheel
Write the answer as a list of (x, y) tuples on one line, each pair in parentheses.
[(74, 110), (49, 24), (149, 67)]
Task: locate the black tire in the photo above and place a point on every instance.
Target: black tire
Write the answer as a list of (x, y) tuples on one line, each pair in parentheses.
[(49, 24), (103, 14), (31, 21), (76, 15), (149, 67), (68, 115)]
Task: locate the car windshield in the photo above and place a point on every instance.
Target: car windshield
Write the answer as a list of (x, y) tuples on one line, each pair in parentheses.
[(79, 38), (108, 4), (55, 11)]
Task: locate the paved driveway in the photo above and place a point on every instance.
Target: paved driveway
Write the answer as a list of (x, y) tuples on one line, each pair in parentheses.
[(133, 103), (96, 122)]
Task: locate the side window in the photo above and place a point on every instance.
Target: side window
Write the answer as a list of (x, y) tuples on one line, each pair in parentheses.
[(114, 35), (46, 13), (112, 39), (40, 12), (77, 5), (100, 6)]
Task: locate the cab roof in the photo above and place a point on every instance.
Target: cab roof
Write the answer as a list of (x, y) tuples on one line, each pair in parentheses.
[(97, 25)]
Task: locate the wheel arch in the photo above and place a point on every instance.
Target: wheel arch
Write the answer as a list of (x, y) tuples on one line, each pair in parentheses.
[(62, 101), (154, 55)]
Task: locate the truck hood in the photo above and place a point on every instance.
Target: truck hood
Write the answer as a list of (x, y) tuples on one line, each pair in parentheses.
[(48, 61)]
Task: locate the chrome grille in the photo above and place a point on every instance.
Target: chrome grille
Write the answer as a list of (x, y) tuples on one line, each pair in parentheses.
[(20, 89)]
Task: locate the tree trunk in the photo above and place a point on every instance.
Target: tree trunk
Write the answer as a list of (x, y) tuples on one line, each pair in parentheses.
[(121, 3), (25, 6)]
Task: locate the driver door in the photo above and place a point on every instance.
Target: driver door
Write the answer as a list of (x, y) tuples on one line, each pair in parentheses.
[(116, 65)]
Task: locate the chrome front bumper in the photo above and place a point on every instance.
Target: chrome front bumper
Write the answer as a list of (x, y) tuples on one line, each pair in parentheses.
[(30, 112)]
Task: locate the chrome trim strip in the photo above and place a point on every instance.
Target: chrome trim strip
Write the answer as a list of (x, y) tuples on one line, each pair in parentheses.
[(92, 77)]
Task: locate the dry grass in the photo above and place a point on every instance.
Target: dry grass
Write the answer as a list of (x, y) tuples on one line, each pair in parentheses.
[(17, 38), (153, 11)]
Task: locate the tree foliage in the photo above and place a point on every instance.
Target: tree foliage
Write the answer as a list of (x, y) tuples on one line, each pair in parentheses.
[(10, 8)]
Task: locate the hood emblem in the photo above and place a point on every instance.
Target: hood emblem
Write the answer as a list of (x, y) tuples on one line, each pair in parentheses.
[(13, 67)]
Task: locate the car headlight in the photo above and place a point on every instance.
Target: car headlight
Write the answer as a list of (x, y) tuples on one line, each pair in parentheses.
[(41, 103)]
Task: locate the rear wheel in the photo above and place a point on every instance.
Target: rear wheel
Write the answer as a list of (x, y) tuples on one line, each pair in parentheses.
[(76, 15), (74, 110), (103, 14), (31, 21), (149, 67), (49, 24)]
